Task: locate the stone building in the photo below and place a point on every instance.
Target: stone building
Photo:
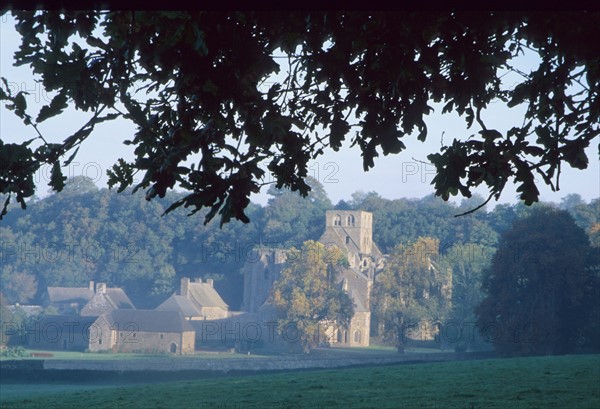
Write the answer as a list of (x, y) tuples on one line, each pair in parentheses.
[(196, 300), (142, 331), (348, 230), (90, 301), (106, 300)]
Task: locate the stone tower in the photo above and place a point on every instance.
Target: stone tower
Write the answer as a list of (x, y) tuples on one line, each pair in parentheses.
[(355, 225), (352, 231)]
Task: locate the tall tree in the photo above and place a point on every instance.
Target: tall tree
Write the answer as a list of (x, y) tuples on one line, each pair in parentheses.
[(289, 219), (411, 290), (194, 85), (536, 286), (308, 295), (467, 262)]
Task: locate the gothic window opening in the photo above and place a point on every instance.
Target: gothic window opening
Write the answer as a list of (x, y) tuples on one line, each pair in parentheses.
[(351, 220), (357, 336), (337, 220)]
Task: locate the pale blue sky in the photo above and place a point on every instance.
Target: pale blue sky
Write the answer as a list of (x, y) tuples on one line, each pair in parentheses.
[(341, 173)]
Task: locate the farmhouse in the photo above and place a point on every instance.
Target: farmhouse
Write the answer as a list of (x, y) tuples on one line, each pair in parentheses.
[(105, 300), (88, 301), (196, 300), (145, 331)]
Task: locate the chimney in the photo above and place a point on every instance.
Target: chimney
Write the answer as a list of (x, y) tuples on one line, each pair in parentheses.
[(185, 287), (209, 282), (101, 288), (91, 286)]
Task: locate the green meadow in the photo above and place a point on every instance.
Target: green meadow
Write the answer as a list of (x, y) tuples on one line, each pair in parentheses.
[(533, 382)]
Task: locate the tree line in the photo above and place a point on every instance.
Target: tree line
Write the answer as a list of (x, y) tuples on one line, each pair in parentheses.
[(439, 269), (87, 233)]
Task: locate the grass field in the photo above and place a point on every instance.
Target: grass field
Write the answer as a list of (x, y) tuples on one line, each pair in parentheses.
[(536, 382)]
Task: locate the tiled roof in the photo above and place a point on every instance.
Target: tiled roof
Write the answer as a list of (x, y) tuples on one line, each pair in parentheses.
[(118, 298), (206, 296), (180, 303)]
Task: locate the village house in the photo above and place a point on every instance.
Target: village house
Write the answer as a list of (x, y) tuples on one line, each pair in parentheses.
[(105, 300), (196, 300), (142, 331), (91, 300)]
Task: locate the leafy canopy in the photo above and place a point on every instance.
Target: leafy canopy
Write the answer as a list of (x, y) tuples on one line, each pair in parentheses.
[(308, 295), (194, 84), (539, 290), (411, 289)]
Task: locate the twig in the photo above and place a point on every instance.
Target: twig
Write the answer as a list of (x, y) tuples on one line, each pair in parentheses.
[(477, 208)]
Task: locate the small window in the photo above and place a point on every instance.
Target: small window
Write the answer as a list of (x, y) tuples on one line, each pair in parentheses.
[(162, 336), (357, 336), (134, 334), (347, 239), (99, 341), (351, 220)]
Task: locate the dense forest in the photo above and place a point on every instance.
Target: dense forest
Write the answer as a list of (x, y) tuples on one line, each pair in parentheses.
[(86, 233)]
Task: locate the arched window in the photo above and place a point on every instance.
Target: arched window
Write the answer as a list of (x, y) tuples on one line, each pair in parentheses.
[(357, 336), (351, 220), (337, 220), (173, 348)]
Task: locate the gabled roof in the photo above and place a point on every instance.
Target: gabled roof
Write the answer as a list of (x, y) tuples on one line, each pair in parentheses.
[(180, 303), (206, 296), (69, 294), (357, 288), (148, 321), (118, 298)]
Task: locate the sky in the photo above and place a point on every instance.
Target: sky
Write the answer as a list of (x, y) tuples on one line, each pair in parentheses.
[(395, 176)]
